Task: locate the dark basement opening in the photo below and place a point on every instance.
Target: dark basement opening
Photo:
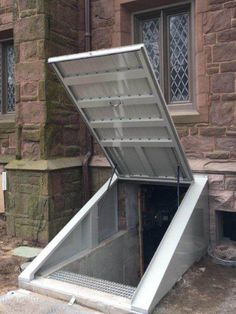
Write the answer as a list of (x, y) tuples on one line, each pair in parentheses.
[(158, 207), (229, 225)]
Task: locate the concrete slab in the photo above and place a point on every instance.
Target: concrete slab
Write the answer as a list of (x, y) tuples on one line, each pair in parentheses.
[(25, 302), (26, 252)]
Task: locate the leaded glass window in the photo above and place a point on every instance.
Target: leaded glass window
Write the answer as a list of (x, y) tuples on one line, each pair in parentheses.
[(7, 78), (151, 39), (10, 58), (167, 37), (178, 58)]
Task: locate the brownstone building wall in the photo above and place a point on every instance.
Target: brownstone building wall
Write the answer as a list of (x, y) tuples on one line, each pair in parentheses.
[(7, 123), (208, 133), (51, 138)]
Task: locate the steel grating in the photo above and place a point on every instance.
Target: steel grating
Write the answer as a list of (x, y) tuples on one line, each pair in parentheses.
[(94, 283)]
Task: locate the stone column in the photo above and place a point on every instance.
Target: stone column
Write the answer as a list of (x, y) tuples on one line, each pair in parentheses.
[(44, 186)]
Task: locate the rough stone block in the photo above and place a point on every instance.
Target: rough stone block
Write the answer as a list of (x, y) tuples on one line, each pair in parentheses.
[(27, 4), (226, 143), (31, 112), (215, 1), (212, 71), (221, 200), (31, 150), (225, 36), (31, 135), (223, 83), (6, 18), (215, 7), (218, 155), (197, 143), (42, 91), (30, 28), (29, 91), (211, 131), (216, 21), (70, 136), (216, 182), (224, 52), (230, 183), (12, 140), (230, 4), (72, 150), (31, 71), (222, 113), (210, 39), (182, 131), (228, 66), (28, 51)]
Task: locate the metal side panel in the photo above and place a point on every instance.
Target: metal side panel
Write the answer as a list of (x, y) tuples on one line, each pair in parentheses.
[(117, 94), (80, 233), (185, 241)]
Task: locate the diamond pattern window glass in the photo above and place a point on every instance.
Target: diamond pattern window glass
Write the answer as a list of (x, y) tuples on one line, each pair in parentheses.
[(7, 78), (151, 39), (166, 34), (10, 57), (178, 58)]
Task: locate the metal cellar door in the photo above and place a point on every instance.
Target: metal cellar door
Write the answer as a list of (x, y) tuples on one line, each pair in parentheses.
[(119, 98)]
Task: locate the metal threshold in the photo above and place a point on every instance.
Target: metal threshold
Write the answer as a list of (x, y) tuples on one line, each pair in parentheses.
[(94, 283), (92, 298)]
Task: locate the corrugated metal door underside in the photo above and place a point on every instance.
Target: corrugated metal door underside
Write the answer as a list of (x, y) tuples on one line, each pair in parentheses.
[(119, 98)]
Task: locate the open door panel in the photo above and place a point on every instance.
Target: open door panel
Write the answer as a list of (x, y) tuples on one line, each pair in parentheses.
[(117, 94)]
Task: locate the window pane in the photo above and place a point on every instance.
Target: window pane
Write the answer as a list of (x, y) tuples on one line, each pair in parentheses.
[(10, 78), (178, 58), (151, 39), (1, 76)]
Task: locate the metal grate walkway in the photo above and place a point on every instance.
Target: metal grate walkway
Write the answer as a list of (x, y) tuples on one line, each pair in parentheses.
[(94, 283)]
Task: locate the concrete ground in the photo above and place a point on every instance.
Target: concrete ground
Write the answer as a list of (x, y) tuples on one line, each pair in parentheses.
[(25, 302), (207, 288)]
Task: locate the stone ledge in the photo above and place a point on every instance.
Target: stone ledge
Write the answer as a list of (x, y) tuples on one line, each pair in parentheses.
[(197, 165), (7, 122), (44, 165), (186, 117), (207, 166), (213, 166), (99, 161), (5, 159)]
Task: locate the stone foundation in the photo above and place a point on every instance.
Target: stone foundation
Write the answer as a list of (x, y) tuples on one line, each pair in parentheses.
[(222, 195), (41, 201)]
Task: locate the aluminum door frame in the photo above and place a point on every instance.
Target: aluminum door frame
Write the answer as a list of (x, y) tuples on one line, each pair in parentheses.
[(57, 242), (185, 241)]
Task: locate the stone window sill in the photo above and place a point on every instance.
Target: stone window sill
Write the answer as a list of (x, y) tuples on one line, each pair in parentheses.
[(7, 120), (185, 116)]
